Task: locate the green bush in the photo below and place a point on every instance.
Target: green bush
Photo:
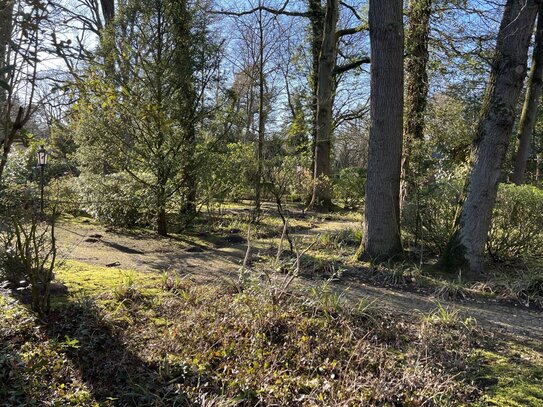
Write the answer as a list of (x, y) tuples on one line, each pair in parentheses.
[(349, 187), (429, 215), (517, 222), (63, 195), (116, 200)]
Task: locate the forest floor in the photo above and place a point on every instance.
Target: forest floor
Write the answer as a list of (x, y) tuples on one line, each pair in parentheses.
[(214, 257), (132, 299)]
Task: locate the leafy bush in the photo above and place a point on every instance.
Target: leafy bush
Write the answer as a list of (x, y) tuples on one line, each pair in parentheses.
[(349, 187), (226, 175), (63, 194), (517, 222), (429, 216), (117, 200)]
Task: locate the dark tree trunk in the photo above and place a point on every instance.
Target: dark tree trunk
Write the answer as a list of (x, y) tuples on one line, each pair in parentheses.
[(6, 25), (316, 19), (416, 86), (108, 10), (162, 222), (382, 210), (322, 196), (261, 120), (467, 245), (531, 104), (189, 175)]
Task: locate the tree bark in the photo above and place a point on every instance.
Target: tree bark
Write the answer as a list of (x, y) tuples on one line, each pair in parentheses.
[(322, 196), (261, 119), (416, 86), (382, 210), (465, 250), (108, 11), (6, 26), (316, 18), (189, 174), (531, 104)]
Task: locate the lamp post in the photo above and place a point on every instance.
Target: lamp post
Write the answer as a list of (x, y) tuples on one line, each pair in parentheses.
[(42, 162)]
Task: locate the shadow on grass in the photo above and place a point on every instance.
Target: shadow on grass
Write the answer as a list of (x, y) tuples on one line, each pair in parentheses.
[(93, 340)]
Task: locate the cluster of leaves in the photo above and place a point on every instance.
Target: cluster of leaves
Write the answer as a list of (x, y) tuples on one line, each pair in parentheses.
[(349, 187), (517, 222), (429, 215), (116, 200), (35, 369)]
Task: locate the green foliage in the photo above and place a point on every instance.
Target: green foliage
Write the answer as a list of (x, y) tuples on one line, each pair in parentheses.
[(430, 214), (226, 175), (117, 200), (349, 187), (517, 222), (36, 251), (315, 349), (63, 194)]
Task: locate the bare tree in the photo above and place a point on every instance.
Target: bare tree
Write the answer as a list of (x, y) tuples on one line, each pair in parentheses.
[(20, 39)]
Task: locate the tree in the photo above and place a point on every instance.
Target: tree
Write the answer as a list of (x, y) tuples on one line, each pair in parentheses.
[(143, 121), (324, 42), (322, 194), (382, 210), (416, 85), (528, 116), (466, 246), (20, 41)]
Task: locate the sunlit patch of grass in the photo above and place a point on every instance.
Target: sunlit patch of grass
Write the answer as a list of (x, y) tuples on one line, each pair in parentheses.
[(515, 376), (90, 280)]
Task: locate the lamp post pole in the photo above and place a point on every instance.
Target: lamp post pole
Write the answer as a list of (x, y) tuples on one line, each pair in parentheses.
[(42, 167), (42, 162)]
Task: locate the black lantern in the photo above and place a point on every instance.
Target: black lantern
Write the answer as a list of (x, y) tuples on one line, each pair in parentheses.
[(42, 156)]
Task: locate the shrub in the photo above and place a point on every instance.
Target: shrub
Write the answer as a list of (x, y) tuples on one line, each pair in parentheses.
[(117, 200), (349, 187), (517, 222), (63, 194), (429, 216)]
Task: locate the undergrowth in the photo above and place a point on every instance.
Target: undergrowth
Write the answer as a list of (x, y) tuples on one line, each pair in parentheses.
[(172, 341)]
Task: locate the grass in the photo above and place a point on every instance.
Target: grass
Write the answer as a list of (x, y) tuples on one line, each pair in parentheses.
[(151, 340), (89, 280), (516, 372), (123, 337)]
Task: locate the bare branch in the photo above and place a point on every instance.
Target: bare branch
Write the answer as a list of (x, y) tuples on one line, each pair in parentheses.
[(351, 65), (281, 11)]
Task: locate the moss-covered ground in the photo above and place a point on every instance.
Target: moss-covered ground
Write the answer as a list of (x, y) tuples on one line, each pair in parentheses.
[(126, 337)]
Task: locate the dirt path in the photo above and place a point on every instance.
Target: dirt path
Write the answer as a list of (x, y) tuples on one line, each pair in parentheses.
[(206, 261)]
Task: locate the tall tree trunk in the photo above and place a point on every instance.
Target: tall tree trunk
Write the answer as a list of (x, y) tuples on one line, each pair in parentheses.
[(161, 219), (316, 18), (6, 26), (189, 174), (322, 196), (531, 104), (108, 11), (467, 245), (261, 119), (416, 85), (382, 210)]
